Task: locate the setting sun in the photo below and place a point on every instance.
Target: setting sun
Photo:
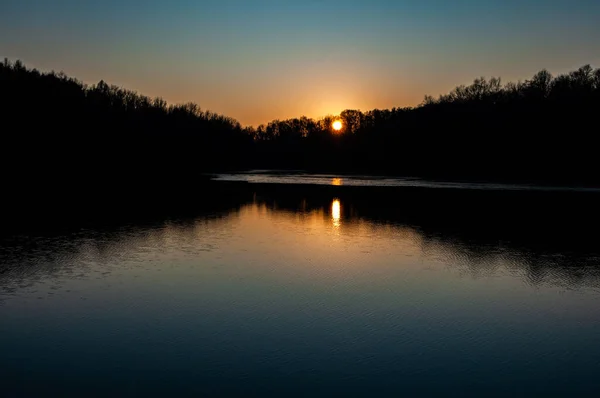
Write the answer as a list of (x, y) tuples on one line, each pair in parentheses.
[(337, 125)]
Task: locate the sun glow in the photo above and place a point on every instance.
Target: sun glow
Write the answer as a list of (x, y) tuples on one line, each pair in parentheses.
[(337, 125), (336, 213)]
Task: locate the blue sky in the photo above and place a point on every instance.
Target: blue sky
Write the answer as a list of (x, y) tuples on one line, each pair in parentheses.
[(262, 60)]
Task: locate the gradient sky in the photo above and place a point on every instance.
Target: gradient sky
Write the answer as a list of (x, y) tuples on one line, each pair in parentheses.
[(258, 60)]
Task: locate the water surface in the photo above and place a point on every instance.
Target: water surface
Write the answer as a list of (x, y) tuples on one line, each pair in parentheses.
[(311, 292), (304, 178)]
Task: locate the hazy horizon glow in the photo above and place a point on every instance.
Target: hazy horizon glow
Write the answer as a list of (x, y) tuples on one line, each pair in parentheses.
[(274, 59)]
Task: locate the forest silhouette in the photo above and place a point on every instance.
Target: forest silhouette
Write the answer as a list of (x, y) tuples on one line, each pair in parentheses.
[(61, 135)]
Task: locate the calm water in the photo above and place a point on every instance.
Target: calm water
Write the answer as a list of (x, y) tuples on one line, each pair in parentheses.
[(286, 177), (311, 292)]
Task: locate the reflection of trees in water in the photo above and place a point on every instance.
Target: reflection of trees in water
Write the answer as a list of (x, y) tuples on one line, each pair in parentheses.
[(83, 253), (542, 237), (479, 233), (534, 267)]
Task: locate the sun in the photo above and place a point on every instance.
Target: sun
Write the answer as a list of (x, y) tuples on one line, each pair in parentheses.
[(337, 125)]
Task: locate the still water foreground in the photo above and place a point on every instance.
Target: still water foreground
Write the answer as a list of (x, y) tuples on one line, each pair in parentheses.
[(318, 292)]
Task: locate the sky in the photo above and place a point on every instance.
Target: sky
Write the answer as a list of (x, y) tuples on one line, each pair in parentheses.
[(259, 60)]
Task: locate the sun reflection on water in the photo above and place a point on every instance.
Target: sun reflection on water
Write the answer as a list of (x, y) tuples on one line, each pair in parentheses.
[(336, 213)]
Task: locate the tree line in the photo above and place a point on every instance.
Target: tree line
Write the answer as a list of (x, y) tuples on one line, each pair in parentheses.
[(59, 130), (541, 130)]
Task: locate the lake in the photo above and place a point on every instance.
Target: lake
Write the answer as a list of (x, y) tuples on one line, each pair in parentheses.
[(330, 288)]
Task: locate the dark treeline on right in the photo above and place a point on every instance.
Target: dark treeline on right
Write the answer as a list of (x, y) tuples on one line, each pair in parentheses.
[(540, 130)]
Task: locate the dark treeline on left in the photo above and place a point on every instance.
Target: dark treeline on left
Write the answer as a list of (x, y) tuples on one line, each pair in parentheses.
[(65, 143), (57, 122)]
